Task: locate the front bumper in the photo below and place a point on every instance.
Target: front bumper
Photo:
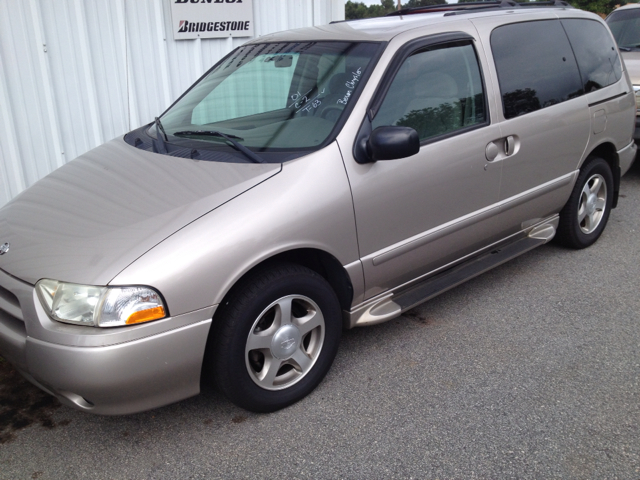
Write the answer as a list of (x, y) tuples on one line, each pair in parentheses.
[(106, 371)]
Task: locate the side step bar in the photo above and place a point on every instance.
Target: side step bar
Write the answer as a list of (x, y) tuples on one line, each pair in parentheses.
[(393, 305), (457, 275)]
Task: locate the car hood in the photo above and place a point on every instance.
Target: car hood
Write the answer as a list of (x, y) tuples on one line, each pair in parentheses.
[(88, 220), (632, 64)]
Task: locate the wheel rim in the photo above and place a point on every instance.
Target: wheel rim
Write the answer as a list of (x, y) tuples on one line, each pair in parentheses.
[(593, 201), (284, 342)]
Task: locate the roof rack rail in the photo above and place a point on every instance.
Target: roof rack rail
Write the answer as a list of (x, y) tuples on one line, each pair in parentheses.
[(455, 8)]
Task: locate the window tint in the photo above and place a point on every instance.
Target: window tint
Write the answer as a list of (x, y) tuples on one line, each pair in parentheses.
[(625, 26), (536, 66), (238, 95), (436, 91), (595, 51)]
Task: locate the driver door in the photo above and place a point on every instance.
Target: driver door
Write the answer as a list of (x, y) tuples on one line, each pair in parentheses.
[(419, 213)]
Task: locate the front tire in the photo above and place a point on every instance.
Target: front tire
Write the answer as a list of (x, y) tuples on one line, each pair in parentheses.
[(583, 218), (276, 338)]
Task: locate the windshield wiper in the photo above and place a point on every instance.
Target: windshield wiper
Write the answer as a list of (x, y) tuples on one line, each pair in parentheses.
[(161, 128), (160, 133), (230, 138), (208, 133)]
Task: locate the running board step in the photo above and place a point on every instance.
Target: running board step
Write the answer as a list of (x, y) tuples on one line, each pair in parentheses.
[(393, 305), (451, 278)]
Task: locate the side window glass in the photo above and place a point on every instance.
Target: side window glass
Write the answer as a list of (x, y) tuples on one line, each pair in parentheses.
[(595, 51), (436, 91), (536, 66), (625, 26)]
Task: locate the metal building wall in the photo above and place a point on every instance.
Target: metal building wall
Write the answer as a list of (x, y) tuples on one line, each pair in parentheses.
[(76, 73)]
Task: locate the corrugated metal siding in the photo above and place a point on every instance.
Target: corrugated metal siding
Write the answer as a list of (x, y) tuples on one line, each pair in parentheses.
[(76, 73)]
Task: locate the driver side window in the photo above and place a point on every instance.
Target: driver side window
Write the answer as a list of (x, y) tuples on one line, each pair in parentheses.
[(437, 90)]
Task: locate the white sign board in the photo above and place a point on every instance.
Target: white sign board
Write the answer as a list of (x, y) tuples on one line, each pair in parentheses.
[(211, 18)]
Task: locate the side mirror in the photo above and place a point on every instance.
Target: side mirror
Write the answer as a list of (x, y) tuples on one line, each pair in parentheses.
[(390, 143)]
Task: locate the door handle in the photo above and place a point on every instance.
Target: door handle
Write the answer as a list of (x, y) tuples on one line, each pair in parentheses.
[(509, 145), (501, 148)]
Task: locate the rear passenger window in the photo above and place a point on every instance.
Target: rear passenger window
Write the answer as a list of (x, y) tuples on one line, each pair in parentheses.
[(595, 51), (536, 66), (436, 91)]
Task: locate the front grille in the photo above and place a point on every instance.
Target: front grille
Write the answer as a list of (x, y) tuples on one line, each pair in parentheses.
[(9, 304)]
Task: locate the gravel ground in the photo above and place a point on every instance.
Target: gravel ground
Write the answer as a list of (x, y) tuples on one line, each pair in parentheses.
[(528, 371)]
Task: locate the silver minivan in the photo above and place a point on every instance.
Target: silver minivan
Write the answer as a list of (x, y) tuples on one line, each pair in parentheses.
[(624, 23), (312, 180)]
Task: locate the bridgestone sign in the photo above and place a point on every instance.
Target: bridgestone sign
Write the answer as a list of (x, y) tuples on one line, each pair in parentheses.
[(211, 18)]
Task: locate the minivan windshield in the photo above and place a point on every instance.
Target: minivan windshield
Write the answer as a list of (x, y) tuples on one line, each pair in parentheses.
[(270, 96), (625, 26)]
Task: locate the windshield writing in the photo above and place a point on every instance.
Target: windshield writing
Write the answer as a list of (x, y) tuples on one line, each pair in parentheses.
[(274, 95)]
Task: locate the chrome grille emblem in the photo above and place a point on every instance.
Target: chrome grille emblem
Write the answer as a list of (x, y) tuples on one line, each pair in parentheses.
[(4, 248)]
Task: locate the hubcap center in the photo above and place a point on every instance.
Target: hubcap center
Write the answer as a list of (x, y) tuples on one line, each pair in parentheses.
[(285, 342)]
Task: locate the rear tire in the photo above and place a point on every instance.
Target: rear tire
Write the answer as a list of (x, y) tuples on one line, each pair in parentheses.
[(584, 217), (276, 338)]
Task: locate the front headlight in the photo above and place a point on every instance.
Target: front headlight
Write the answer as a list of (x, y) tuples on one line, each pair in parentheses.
[(636, 90), (99, 306)]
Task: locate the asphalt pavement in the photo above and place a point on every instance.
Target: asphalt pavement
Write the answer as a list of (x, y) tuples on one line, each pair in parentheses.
[(531, 370)]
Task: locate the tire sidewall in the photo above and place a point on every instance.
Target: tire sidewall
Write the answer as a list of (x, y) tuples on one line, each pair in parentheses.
[(573, 235), (236, 381)]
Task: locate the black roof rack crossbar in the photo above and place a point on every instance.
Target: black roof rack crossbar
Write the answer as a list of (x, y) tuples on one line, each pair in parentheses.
[(455, 8)]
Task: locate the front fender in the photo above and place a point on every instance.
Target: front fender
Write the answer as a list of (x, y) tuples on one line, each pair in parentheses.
[(307, 205)]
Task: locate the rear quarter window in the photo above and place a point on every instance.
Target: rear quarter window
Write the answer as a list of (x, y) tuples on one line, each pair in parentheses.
[(595, 52), (536, 66)]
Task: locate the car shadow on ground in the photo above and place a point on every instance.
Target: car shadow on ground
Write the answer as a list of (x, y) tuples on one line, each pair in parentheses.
[(23, 404), (634, 171)]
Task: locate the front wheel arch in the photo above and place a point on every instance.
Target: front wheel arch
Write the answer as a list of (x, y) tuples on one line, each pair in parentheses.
[(321, 262), (295, 359)]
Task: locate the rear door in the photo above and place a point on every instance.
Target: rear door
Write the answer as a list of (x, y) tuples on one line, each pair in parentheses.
[(544, 117)]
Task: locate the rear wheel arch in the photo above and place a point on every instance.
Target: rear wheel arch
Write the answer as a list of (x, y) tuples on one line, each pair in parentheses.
[(608, 152), (585, 215)]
